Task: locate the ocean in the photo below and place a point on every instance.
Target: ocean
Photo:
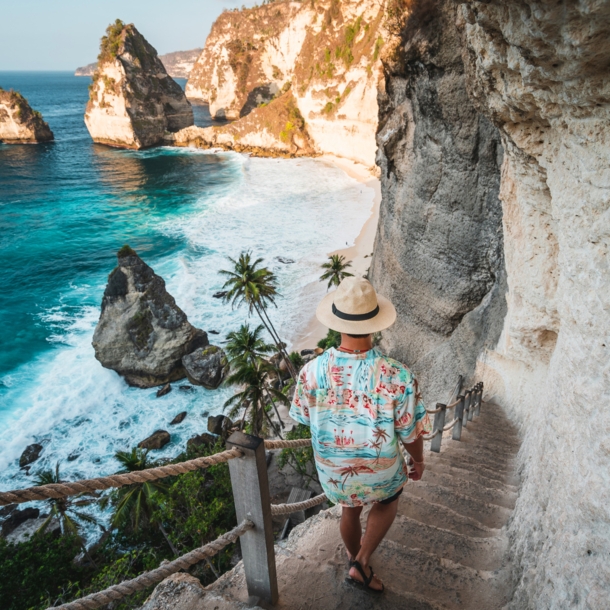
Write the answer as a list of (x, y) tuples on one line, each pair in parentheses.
[(68, 206)]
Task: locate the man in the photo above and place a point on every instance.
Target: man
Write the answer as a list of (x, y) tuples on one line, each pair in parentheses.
[(359, 405)]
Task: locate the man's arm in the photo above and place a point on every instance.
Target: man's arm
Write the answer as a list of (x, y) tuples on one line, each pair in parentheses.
[(416, 451)]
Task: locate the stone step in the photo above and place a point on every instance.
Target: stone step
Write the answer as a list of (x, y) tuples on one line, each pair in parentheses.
[(477, 553), (474, 452), (489, 515), (478, 432), (405, 570), (490, 495), (493, 480), (439, 515), (460, 461)]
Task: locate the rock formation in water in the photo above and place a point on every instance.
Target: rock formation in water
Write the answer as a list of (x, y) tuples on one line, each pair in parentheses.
[(133, 102), (177, 64), (327, 51), (276, 129), (19, 124), (539, 338), (142, 334), (206, 366)]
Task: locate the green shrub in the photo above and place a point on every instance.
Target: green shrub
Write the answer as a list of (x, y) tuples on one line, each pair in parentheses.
[(297, 360), (332, 339), (126, 251), (300, 460)]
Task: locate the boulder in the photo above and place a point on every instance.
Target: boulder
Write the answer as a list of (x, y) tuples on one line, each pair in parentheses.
[(142, 334), (28, 528), (157, 440), (178, 419), (219, 424), (5, 511), (19, 124), (30, 454), (132, 100), (220, 295), (166, 389), (16, 518), (201, 440), (206, 366), (186, 388)]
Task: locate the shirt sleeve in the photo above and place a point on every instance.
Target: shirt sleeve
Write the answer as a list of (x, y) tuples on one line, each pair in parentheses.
[(304, 398), (410, 417)]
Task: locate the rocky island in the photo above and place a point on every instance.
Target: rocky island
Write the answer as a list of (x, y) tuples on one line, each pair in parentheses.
[(19, 124), (133, 102), (145, 337)]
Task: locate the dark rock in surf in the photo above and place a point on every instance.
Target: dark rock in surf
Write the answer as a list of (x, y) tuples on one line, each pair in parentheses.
[(219, 295), (166, 389), (157, 440), (30, 454), (178, 419), (206, 366), (18, 517), (219, 425), (142, 334), (194, 444)]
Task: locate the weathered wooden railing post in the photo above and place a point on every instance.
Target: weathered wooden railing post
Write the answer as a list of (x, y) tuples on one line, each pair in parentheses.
[(473, 403), (251, 495), (467, 395), (459, 414), (439, 422), (477, 410)]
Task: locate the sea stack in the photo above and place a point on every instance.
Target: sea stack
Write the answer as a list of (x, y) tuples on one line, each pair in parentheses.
[(133, 101), (142, 334), (19, 124)]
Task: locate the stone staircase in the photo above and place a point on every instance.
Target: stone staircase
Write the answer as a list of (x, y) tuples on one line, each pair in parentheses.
[(447, 548)]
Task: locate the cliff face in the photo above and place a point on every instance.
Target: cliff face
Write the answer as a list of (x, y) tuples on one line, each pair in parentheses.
[(326, 52), (133, 101), (538, 72), (19, 124)]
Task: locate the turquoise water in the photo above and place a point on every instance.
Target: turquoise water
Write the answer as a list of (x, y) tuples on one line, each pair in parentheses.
[(66, 208)]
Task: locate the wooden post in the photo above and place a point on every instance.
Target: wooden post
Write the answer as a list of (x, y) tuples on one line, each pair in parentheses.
[(473, 402), (251, 495), (459, 414), (439, 422), (477, 410), (466, 408)]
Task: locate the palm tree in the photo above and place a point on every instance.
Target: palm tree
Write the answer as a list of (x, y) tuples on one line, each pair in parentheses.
[(256, 287), (135, 504), (65, 509), (245, 345), (335, 270), (253, 377)]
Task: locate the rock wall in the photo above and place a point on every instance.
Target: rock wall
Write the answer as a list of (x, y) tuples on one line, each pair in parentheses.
[(538, 71), (438, 250), (326, 52), (19, 124), (133, 101)]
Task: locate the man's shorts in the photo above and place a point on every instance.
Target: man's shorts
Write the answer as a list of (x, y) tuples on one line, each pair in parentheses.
[(391, 498)]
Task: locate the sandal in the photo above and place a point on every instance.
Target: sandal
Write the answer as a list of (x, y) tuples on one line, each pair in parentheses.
[(365, 586)]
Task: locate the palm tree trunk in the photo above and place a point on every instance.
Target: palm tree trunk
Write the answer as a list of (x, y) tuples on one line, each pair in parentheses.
[(273, 427), (282, 424), (171, 544), (260, 310)]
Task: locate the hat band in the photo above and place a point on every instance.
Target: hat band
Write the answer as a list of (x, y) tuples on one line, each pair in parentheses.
[(355, 317)]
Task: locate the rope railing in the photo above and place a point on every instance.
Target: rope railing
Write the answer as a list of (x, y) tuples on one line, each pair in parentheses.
[(287, 509), (300, 442), (61, 490), (147, 579)]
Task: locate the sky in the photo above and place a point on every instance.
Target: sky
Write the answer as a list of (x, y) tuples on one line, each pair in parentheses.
[(65, 34)]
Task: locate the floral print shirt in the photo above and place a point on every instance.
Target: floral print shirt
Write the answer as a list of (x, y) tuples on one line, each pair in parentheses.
[(358, 407)]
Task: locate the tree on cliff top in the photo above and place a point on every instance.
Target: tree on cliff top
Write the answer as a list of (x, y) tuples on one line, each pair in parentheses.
[(109, 46)]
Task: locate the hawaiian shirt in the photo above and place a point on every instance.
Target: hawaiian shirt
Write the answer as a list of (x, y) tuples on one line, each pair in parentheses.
[(358, 407)]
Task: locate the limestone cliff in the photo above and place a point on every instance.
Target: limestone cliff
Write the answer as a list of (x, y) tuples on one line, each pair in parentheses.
[(276, 129), (19, 124), (327, 51), (538, 72), (133, 101)]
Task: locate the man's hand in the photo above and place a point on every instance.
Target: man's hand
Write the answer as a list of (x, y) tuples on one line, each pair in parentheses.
[(416, 470)]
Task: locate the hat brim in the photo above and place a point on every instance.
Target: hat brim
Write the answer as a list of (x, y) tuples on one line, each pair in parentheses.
[(384, 318)]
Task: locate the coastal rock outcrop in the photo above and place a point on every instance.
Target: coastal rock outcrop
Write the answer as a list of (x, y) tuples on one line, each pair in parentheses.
[(133, 102), (19, 124), (206, 366), (142, 334), (534, 319), (30, 454), (157, 440), (327, 53)]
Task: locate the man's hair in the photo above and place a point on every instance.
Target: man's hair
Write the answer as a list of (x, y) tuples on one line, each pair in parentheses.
[(359, 336)]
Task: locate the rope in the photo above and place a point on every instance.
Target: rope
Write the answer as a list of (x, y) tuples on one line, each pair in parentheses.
[(143, 581), (287, 509), (301, 442), (453, 404), (61, 490), (448, 427), (429, 437), (433, 411)]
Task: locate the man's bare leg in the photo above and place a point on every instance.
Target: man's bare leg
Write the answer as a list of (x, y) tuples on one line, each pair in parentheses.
[(379, 522), (351, 529)]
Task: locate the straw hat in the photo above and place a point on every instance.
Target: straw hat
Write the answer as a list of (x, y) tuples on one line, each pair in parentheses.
[(356, 308)]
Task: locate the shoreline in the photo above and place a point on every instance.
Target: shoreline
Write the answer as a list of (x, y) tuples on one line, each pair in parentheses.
[(359, 253)]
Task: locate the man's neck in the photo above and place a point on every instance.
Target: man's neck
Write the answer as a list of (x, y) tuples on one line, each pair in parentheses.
[(356, 344)]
